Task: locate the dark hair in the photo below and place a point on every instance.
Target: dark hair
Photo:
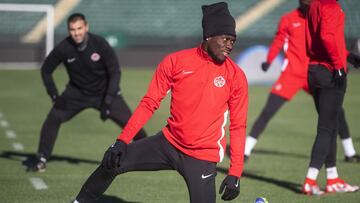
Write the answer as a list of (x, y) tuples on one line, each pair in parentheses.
[(75, 17)]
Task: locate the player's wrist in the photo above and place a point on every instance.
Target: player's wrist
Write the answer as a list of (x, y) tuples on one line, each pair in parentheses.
[(123, 139)]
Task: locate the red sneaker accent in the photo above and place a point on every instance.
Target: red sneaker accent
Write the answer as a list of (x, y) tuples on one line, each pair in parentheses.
[(337, 185), (310, 187)]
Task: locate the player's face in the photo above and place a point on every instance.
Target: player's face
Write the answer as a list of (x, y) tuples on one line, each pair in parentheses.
[(78, 30), (219, 47)]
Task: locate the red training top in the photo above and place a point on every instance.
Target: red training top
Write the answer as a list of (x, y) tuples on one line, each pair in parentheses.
[(325, 34), (290, 36), (202, 94)]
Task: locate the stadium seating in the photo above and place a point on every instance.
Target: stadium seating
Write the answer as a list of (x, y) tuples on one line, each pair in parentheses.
[(267, 25), (158, 23), (154, 19), (138, 20), (352, 28), (15, 24)]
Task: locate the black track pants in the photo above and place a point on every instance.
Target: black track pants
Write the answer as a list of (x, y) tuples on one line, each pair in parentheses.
[(328, 100), (151, 154)]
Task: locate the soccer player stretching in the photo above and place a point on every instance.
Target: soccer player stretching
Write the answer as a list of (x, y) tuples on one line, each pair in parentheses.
[(94, 76), (206, 86)]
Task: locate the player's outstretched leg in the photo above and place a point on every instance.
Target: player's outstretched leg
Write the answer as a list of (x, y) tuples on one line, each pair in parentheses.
[(48, 135), (95, 185)]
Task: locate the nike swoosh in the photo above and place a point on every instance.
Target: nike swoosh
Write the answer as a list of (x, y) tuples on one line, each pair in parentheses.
[(237, 183), (206, 176), (70, 60), (296, 24), (187, 72)]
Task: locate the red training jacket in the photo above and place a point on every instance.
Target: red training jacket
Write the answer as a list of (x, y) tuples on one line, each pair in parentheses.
[(290, 36), (325, 34), (202, 94)]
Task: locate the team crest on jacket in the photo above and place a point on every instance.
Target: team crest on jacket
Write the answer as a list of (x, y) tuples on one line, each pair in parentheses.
[(219, 81), (95, 57)]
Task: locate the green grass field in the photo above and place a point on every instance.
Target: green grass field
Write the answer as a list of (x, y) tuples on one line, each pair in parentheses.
[(276, 169)]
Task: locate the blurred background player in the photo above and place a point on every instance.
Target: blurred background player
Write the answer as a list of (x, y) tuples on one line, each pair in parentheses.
[(290, 36), (205, 86), (327, 71), (94, 76)]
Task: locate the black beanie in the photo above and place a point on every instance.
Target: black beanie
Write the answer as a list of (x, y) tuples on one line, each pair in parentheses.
[(217, 20)]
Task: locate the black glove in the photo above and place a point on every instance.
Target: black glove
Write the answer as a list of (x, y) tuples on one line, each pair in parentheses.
[(265, 66), (114, 155), (354, 59), (105, 108), (339, 77), (231, 185)]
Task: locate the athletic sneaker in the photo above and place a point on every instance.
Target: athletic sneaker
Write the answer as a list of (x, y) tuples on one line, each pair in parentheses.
[(338, 185), (310, 187), (37, 165), (353, 159)]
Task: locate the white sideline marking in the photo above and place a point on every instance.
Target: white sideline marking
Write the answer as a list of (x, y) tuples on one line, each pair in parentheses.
[(4, 123), (10, 134), (38, 183), (30, 65), (18, 146)]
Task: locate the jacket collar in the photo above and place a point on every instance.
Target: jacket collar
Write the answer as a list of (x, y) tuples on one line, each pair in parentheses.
[(327, 1), (204, 55)]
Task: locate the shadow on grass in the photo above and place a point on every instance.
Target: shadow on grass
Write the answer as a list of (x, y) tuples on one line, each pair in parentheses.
[(272, 153), (28, 158), (295, 187), (279, 153), (112, 199)]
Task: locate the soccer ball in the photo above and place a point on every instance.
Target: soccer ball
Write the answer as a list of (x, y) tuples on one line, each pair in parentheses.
[(261, 200)]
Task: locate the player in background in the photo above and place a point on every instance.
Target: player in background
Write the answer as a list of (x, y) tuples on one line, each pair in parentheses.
[(206, 86), (327, 80), (94, 76), (290, 36)]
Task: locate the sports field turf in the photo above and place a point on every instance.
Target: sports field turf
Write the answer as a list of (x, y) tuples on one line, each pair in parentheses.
[(275, 170)]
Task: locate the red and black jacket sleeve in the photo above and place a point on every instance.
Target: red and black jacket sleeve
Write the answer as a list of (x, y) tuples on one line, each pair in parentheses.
[(158, 88), (48, 67), (279, 39)]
